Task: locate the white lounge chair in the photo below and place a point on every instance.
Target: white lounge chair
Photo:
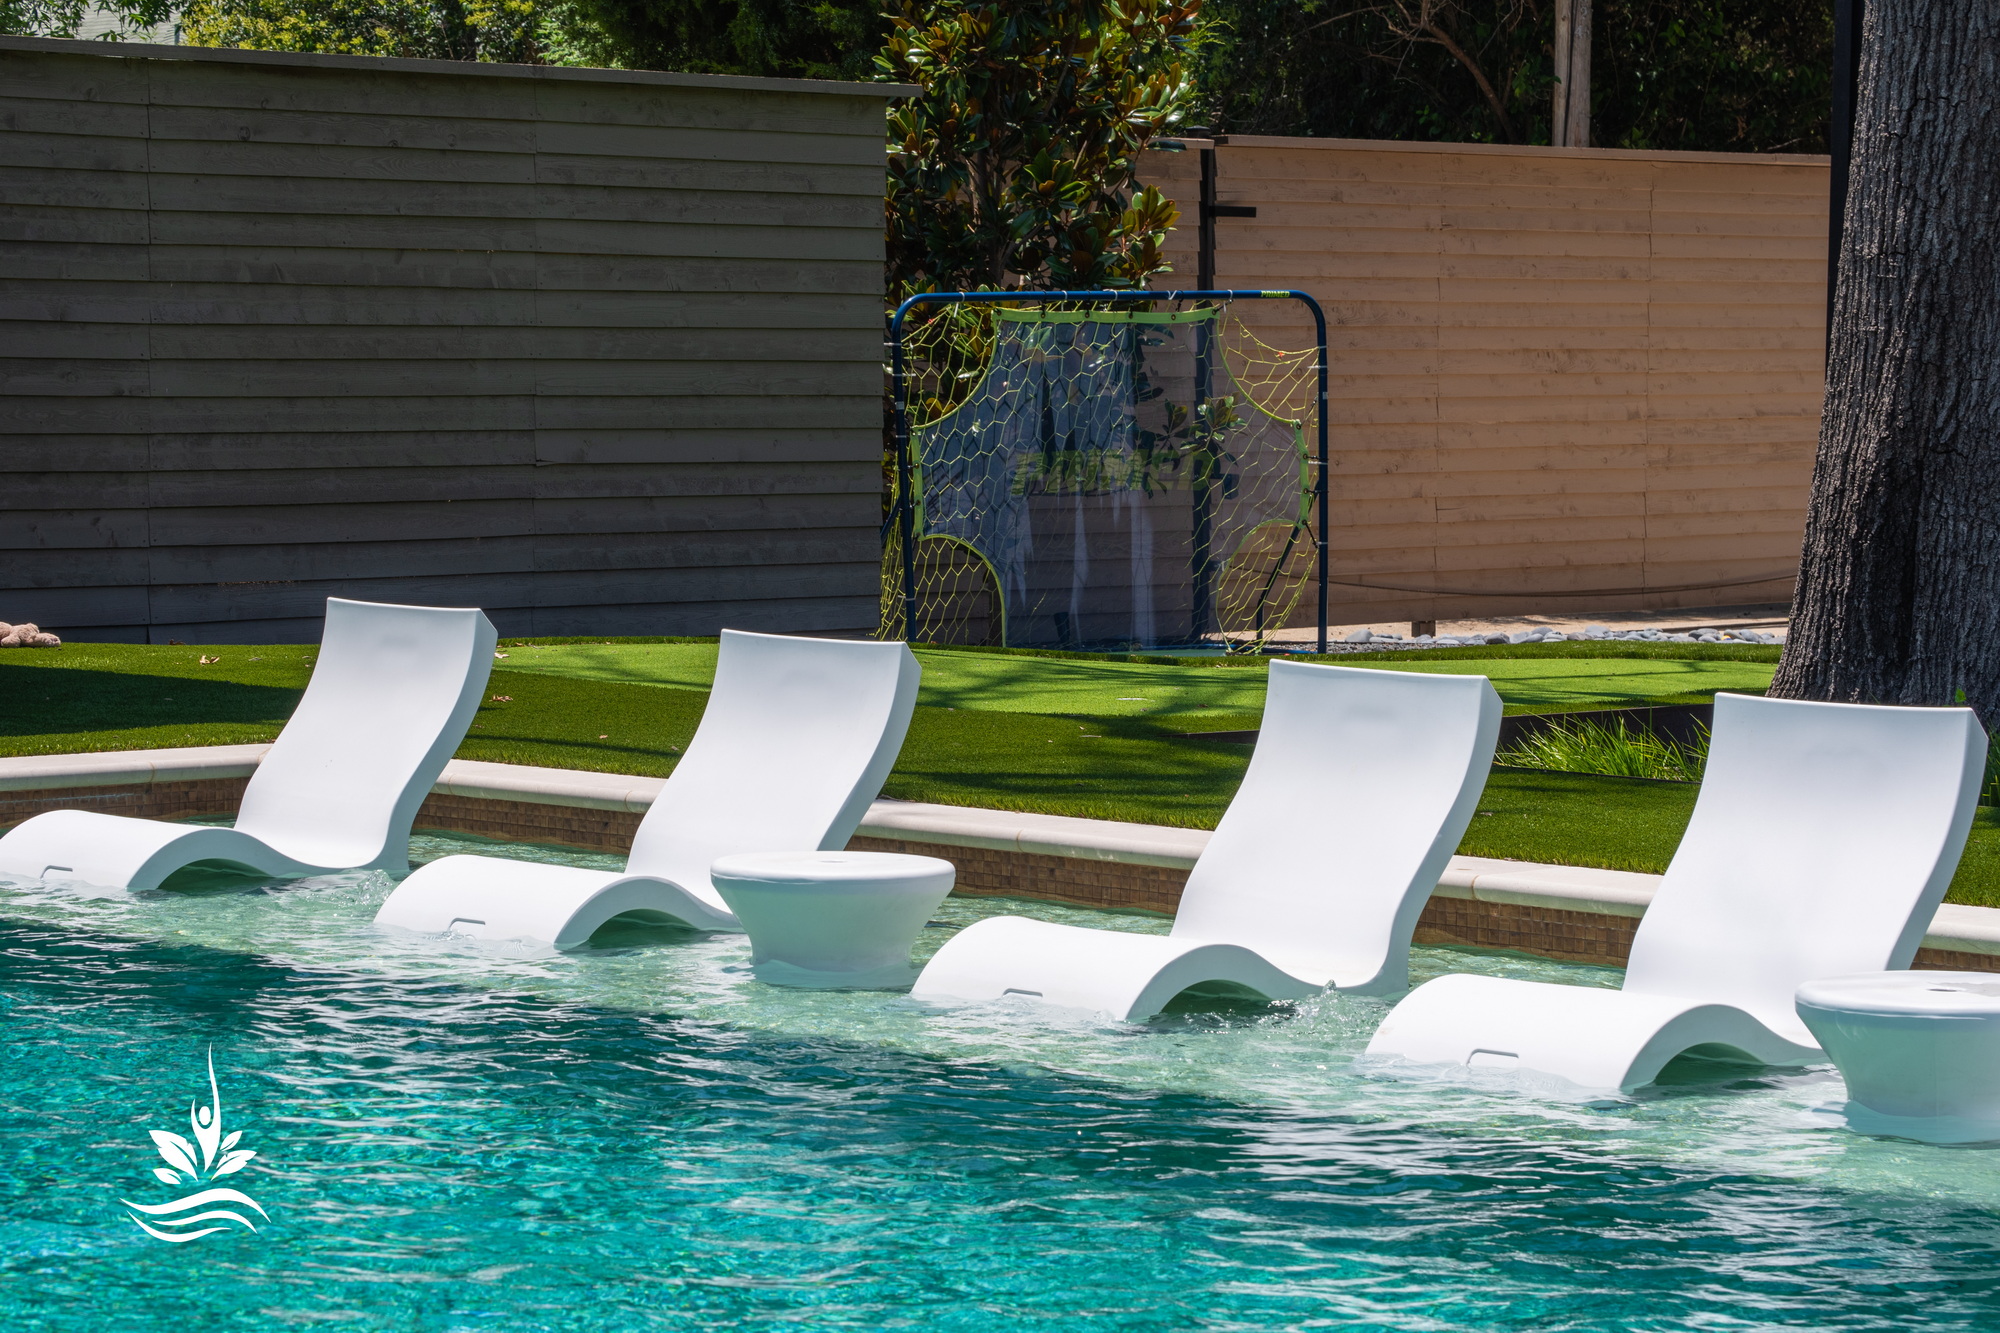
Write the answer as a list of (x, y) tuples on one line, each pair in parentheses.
[(1360, 788), (797, 739), (1823, 839), (392, 693)]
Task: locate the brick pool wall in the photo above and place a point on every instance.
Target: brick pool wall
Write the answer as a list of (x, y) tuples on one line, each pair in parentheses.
[(1572, 936)]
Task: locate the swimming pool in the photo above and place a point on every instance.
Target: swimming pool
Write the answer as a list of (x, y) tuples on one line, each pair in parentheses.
[(461, 1136)]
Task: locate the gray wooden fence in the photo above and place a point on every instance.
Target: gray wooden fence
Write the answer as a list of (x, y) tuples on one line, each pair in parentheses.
[(598, 351)]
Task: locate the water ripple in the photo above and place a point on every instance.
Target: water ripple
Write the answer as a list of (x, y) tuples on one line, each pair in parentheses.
[(640, 1135)]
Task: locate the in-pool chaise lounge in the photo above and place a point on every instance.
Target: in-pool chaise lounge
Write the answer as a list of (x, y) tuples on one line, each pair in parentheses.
[(1359, 790), (797, 739), (1823, 839), (392, 693)]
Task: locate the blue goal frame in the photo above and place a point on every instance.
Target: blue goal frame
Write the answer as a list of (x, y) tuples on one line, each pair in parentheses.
[(904, 516)]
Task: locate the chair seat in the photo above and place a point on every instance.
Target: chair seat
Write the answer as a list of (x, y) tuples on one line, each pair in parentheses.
[(1590, 1036), (491, 897), (120, 852), (1130, 977)]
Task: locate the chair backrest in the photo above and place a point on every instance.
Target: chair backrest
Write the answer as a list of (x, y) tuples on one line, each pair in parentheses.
[(392, 692), (1358, 793), (796, 741), (1824, 838)]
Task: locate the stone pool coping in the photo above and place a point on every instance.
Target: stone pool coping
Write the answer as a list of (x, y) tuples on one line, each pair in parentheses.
[(1023, 852)]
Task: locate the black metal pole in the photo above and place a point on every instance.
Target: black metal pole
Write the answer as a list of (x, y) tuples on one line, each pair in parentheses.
[(1325, 461), (1199, 498), (1198, 491), (1204, 264), (1847, 20), (906, 518)]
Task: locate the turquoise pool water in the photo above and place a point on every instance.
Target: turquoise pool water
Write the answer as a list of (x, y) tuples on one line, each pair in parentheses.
[(639, 1136)]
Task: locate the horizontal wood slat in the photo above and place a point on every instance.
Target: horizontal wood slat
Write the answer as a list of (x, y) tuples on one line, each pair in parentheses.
[(601, 354), (1552, 370)]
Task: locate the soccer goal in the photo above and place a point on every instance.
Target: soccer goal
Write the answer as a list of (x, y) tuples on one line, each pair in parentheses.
[(1110, 470)]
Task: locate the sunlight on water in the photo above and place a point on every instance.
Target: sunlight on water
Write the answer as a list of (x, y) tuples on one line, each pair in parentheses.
[(457, 1134)]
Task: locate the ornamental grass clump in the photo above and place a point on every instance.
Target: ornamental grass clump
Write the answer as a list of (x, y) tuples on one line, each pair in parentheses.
[(1616, 750)]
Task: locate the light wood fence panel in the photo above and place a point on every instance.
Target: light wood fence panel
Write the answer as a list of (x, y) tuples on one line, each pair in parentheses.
[(1561, 378)]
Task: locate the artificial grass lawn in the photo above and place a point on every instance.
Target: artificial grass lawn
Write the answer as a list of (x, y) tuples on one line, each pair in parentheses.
[(1131, 766), (1017, 683)]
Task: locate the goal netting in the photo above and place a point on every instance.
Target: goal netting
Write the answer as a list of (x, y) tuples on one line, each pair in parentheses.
[(1104, 477)]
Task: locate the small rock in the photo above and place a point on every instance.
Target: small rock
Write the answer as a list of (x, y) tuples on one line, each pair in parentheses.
[(1496, 638), (1359, 636)]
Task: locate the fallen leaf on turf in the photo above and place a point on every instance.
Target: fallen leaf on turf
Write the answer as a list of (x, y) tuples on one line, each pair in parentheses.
[(210, 661), (503, 698)]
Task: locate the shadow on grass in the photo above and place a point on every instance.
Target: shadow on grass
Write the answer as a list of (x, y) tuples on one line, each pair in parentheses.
[(36, 701)]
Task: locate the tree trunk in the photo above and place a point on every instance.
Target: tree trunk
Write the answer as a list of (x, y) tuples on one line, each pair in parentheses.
[(1569, 120), (1898, 596)]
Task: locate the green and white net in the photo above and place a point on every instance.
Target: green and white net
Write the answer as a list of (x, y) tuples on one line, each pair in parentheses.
[(1105, 477)]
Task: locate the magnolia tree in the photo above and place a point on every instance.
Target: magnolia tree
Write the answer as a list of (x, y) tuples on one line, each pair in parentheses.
[(1017, 166)]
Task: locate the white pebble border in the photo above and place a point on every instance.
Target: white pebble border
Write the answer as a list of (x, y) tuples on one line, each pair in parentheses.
[(1589, 634)]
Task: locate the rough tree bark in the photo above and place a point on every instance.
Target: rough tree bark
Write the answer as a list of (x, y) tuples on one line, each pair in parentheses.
[(1898, 596)]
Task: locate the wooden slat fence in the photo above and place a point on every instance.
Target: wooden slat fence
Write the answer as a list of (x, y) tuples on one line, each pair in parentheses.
[(1580, 378), (599, 351)]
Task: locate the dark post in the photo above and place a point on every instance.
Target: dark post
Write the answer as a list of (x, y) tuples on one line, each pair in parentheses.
[(1204, 263), (905, 516), (1202, 476), (1319, 323)]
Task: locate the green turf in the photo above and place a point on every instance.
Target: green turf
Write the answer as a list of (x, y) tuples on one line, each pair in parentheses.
[(1016, 683), (547, 710), (95, 696)]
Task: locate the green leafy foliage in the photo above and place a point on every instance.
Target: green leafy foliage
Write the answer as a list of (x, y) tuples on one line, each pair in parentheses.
[(812, 39), (43, 18), (1015, 167), (511, 31), (64, 18), (1688, 75), (794, 39), (1714, 75)]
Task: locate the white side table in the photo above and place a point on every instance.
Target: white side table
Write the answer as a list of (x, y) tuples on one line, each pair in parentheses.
[(1920, 1050), (833, 919)]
